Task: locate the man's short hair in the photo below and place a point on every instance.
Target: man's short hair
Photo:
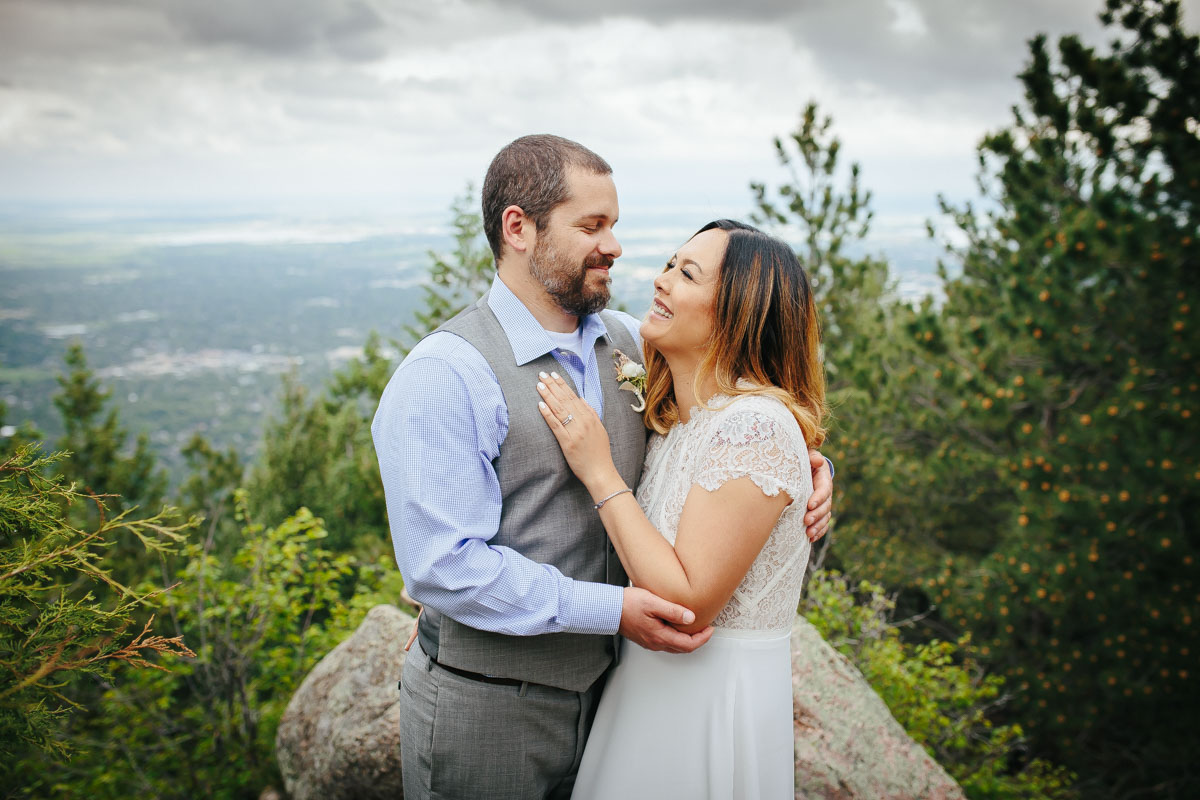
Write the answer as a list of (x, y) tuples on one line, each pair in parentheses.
[(531, 173)]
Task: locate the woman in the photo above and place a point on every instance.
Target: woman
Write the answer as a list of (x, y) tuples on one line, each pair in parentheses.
[(735, 396)]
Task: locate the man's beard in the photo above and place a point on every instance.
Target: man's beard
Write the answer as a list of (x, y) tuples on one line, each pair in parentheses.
[(566, 283)]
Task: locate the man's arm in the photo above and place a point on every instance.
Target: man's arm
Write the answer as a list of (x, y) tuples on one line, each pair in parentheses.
[(439, 425)]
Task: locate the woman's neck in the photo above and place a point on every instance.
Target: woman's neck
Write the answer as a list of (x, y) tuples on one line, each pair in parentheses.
[(687, 393)]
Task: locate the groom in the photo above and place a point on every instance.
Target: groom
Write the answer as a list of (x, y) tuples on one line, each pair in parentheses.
[(522, 592)]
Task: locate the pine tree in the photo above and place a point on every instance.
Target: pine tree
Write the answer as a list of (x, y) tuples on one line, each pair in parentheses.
[(318, 454), (889, 429), (458, 279), (20, 436), (885, 439), (1070, 342), (208, 490), (97, 441)]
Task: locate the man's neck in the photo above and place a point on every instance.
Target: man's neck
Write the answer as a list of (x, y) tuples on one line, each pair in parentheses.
[(533, 296)]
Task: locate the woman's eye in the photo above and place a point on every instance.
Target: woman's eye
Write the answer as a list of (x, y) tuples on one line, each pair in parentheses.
[(686, 274)]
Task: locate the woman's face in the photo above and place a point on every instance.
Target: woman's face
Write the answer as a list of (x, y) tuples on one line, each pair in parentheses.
[(681, 317)]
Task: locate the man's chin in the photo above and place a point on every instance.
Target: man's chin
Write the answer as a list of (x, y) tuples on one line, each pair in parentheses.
[(600, 299), (589, 304)]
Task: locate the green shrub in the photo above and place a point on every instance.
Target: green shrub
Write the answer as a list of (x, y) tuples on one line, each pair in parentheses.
[(62, 616), (937, 691), (258, 623)]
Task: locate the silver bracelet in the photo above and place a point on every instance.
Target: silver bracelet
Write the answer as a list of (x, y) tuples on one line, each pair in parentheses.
[(610, 497)]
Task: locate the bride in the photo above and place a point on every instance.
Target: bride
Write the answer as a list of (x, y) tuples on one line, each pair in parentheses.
[(735, 396)]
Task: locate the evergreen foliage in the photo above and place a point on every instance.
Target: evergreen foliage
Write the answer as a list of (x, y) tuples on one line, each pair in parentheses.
[(97, 441), (1073, 311), (458, 279), (62, 615), (938, 691), (869, 366), (1029, 467), (22, 435), (259, 620), (208, 490), (318, 454)]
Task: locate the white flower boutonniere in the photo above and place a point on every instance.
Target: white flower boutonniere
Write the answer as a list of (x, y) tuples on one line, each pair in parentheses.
[(632, 378)]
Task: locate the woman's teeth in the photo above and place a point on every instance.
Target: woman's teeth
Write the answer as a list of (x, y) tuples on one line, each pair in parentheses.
[(662, 310)]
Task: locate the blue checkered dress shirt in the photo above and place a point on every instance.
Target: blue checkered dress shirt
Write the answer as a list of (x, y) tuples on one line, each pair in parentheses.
[(440, 423)]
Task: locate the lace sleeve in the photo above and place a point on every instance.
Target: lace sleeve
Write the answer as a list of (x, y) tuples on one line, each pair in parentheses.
[(751, 443)]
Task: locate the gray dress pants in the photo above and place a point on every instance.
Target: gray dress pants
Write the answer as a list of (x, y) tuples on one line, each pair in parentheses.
[(462, 738)]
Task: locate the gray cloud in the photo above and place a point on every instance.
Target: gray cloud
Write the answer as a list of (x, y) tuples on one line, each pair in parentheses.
[(138, 30), (317, 93), (351, 29), (933, 51)]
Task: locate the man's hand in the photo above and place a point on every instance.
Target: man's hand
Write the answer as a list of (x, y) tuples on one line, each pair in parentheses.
[(648, 620), (820, 505)]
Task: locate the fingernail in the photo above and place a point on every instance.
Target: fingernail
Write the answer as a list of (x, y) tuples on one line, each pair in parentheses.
[(688, 618), (542, 375), (554, 375), (541, 385), (541, 405)]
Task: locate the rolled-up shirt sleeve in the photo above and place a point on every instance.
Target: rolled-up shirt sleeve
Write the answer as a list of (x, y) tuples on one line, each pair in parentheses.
[(439, 426)]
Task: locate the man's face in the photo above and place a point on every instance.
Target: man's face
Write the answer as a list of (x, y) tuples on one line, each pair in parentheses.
[(572, 256)]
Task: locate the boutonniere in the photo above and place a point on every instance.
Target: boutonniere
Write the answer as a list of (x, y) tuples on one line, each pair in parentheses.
[(632, 378)]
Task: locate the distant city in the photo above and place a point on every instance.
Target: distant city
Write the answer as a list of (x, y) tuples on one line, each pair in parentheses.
[(191, 321)]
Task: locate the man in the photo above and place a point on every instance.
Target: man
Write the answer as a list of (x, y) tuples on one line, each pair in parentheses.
[(522, 592)]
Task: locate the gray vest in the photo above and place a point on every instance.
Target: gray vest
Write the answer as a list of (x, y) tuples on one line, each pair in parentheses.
[(547, 514)]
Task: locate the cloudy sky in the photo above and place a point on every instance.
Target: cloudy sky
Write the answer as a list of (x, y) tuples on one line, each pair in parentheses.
[(391, 104)]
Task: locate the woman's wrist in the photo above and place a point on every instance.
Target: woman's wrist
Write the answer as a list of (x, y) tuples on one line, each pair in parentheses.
[(604, 485)]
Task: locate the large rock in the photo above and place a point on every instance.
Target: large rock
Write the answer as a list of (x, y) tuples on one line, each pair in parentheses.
[(339, 737), (848, 744)]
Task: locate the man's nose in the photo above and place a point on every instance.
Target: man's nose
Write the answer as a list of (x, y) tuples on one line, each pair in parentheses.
[(609, 245)]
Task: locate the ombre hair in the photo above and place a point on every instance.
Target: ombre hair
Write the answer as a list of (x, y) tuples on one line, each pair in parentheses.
[(766, 337)]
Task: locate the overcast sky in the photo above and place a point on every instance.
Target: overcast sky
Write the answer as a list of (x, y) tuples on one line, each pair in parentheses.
[(387, 104)]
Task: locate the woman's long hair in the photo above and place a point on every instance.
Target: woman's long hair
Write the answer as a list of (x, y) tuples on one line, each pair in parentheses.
[(766, 335)]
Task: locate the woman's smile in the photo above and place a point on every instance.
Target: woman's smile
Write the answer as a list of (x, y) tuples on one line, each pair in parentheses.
[(681, 315)]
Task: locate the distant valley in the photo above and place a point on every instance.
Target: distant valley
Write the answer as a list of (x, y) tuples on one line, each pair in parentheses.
[(192, 322)]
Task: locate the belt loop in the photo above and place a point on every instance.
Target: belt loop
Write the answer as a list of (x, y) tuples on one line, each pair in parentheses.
[(524, 688), (428, 664)]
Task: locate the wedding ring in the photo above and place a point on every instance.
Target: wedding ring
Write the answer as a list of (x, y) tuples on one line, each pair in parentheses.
[(567, 421)]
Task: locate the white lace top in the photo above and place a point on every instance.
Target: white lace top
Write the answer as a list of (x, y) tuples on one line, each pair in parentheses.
[(750, 436)]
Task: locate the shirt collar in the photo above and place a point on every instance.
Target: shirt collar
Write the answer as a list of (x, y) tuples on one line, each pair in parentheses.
[(526, 336)]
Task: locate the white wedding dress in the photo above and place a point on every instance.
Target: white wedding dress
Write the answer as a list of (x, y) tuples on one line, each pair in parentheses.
[(716, 723)]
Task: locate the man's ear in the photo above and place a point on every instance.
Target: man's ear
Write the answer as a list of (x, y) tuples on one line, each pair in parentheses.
[(517, 230)]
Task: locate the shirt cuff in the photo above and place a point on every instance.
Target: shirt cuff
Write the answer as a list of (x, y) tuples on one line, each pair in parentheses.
[(592, 607)]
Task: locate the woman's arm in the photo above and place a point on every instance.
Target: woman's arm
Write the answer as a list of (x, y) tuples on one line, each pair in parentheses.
[(720, 532)]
